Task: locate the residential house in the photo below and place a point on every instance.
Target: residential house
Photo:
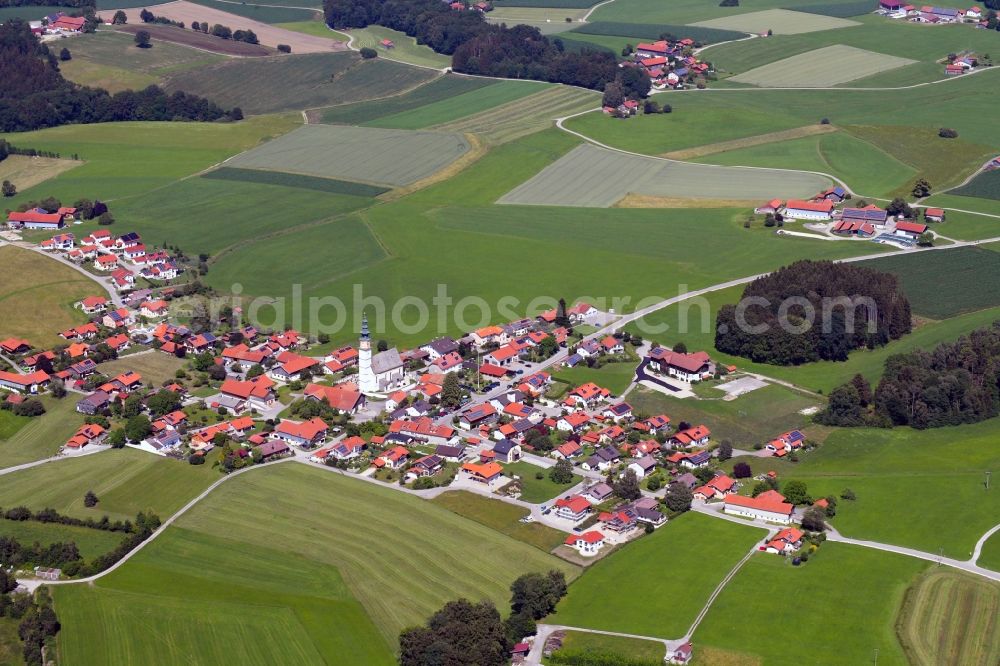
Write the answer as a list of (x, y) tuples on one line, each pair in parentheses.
[(14, 346), (612, 345), (106, 262), (153, 309), (489, 335), (716, 488), (567, 450), (787, 540), (697, 436), (502, 357), (440, 347), (31, 383), (573, 422), (257, 392), (785, 443), (619, 412), (94, 403), (690, 460), (488, 473), (394, 458), (92, 304), (934, 214), (587, 544), (772, 206), (643, 467), (202, 342), (88, 433), (160, 443), (291, 366), (573, 508), (683, 366), (506, 451), (119, 342), (478, 415), (450, 452), (423, 428), (588, 395), (274, 449), (602, 459), (598, 492), (450, 362), (426, 466), (306, 434)]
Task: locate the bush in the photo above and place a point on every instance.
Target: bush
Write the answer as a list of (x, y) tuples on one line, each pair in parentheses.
[(947, 133), (284, 48), (848, 494), (90, 499), (368, 53)]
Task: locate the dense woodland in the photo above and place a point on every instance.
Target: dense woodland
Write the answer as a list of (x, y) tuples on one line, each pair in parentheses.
[(35, 95), (833, 339), (478, 47), (958, 382), (48, 3)]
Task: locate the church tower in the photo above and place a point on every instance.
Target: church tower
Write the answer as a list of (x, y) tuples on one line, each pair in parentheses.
[(366, 376)]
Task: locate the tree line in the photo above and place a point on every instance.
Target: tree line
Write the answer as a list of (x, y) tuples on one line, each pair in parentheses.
[(789, 334), (48, 3), (957, 382), (39, 624), (35, 94), (7, 149), (478, 47)]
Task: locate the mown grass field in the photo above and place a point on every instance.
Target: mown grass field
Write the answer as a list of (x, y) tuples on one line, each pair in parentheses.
[(546, 3), (329, 185), (926, 478), (849, 610), (607, 596), (501, 517), (950, 618), (37, 296), (437, 90), (965, 279), (156, 368), (828, 66), (536, 490), (781, 21), (647, 31), (755, 417), (340, 559), (110, 60), (460, 106), (262, 13), (989, 556), (602, 645), (369, 155), (268, 85), (689, 11), (90, 542), (126, 481), (405, 50), (27, 172), (986, 185), (30, 439), (615, 377)]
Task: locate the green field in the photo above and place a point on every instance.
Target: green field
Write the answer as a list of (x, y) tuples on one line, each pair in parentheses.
[(828, 66), (25, 12), (615, 377), (405, 50), (949, 618), (156, 368), (837, 608), (262, 13), (597, 177), (460, 106), (268, 85), (369, 155), (839, 9), (90, 542), (756, 417), (607, 595), (110, 60), (640, 31), (989, 557), (501, 517), (924, 477), (343, 559), (781, 21), (965, 279), (986, 185), (35, 285), (41, 436), (126, 4), (600, 645), (569, 4), (328, 185), (689, 11), (126, 481), (10, 423), (535, 490), (438, 90), (10, 642)]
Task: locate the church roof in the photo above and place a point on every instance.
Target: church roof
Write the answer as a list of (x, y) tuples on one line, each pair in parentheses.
[(386, 361)]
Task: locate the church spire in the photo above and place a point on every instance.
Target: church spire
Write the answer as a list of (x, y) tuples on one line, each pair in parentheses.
[(364, 327)]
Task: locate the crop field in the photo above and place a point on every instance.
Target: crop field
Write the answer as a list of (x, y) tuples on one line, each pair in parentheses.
[(190, 212), (460, 106), (950, 618), (261, 13), (91, 542), (269, 35), (117, 166), (596, 177), (283, 83), (537, 490), (34, 284), (301, 182), (781, 21), (653, 31), (850, 610), (175, 36), (110, 60), (965, 279), (437, 90), (828, 66), (755, 417), (379, 156), (27, 440), (502, 517), (670, 601), (861, 165), (125, 480), (986, 186), (525, 116), (405, 50)]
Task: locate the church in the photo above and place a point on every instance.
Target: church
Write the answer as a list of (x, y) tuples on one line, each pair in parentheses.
[(380, 373)]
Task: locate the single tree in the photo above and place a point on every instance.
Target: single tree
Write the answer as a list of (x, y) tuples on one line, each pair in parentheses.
[(562, 472), (725, 450), (57, 389), (8, 189), (451, 391), (119, 18), (921, 189), (382, 345), (284, 48), (678, 497), (368, 53), (142, 39), (90, 499), (105, 219), (627, 486), (814, 519), (138, 428), (117, 438), (65, 55), (680, 348), (848, 495), (796, 492), (741, 470)]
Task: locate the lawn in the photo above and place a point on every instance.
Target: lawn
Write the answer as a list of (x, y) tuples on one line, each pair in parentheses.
[(837, 608), (924, 477), (989, 556), (90, 542), (118, 166), (828, 66), (673, 572), (126, 481), (440, 89), (26, 440), (155, 367), (37, 296), (535, 490), (502, 517), (380, 156), (950, 618), (756, 417), (600, 645), (965, 279), (110, 60), (616, 377), (268, 85), (405, 50)]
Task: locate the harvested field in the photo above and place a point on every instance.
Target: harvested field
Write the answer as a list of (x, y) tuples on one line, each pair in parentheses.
[(285, 84), (950, 618), (985, 186), (781, 21), (268, 35), (379, 156), (296, 180), (26, 171), (525, 116), (748, 142), (175, 35), (596, 177), (829, 66)]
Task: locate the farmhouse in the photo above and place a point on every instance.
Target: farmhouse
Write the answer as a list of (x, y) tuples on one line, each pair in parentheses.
[(683, 366), (768, 509), (587, 544), (785, 541), (798, 209), (772, 206), (910, 229)]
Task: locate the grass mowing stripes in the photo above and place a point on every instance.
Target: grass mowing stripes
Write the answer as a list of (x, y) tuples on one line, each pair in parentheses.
[(299, 181), (460, 106), (951, 618), (441, 88), (828, 66), (986, 185), (38, 437), (502, 517), (706, 35)]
